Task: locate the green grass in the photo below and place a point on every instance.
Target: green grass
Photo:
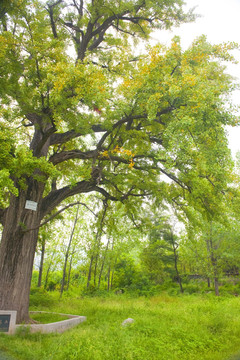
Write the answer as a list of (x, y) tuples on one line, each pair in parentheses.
[(46, 318), (165, 328)]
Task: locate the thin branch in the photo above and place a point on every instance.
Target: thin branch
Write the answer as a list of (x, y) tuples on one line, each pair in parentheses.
[(117, 124), (175, 179), (123, 31), (74, 27), (59, 212)]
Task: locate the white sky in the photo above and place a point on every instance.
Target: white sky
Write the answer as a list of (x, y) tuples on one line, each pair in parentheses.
[(220, 22)]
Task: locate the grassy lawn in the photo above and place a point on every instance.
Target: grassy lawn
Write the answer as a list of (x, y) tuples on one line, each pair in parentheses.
[(165, 328), (46, 318)]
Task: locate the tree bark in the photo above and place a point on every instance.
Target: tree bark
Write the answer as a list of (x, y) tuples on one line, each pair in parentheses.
[(17, 250)]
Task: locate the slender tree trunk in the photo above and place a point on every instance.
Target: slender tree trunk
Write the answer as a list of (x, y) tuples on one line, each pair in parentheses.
[(108, 277), (64, 274), (179, 280), (213, 262), (112, 278), (216, 286), (49, 268), (175, 247), (41, 264), (113, 269), (98, 240), (90, 272), (69, 272), (67, 252), (47, 274), (103, 263), (95, 268)]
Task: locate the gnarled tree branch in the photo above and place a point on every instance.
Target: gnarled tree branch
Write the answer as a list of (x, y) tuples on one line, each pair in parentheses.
[(72, 154)]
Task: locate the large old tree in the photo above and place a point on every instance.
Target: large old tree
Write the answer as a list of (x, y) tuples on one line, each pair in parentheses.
[(80, 113)]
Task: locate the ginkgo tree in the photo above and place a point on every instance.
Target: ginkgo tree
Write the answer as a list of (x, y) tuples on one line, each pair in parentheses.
[(80, 113)]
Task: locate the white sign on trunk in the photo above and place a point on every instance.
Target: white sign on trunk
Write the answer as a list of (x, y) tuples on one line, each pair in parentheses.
[(31, 205)]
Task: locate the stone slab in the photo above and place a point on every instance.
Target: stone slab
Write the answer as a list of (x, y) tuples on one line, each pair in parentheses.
[(57, 327)]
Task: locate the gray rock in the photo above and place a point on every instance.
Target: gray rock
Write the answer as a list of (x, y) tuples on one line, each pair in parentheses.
[(127, 322)]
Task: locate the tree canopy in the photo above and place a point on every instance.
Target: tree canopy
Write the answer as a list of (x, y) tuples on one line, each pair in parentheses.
[(73, 91)]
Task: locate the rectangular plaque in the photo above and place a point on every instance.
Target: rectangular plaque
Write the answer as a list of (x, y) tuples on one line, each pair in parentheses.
[(4, 322), (31, 205), (8, 321)]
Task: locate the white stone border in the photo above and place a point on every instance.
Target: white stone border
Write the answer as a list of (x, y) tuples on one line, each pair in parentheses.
[(58, 327), (12, 323)]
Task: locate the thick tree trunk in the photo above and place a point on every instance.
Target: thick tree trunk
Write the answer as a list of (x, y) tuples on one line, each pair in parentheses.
[(17, 250)]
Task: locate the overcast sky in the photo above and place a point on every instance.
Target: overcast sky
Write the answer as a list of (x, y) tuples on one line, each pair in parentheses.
[(220, 22)]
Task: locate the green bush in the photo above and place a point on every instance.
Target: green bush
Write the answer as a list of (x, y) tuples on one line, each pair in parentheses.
[(40, 297)]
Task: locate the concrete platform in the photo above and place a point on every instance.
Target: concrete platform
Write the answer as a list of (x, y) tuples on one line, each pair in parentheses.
[(56, 327)]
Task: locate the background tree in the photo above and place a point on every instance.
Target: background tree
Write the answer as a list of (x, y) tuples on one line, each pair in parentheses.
[(212, 249), (160, 255)]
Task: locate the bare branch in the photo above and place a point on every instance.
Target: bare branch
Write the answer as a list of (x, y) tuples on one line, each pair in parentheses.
[(135, 19), (79, 8)]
